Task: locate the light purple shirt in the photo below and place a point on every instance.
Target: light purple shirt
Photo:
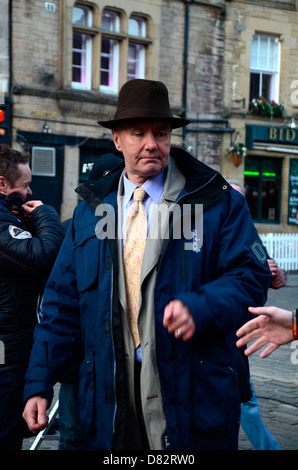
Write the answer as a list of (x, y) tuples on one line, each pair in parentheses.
[(154, 189)]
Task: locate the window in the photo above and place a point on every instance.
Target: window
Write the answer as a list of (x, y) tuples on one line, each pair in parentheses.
[(136, 50), (109, 66), (262, 177), (81, 48), (136, 61), (264, 67), (107, 50)]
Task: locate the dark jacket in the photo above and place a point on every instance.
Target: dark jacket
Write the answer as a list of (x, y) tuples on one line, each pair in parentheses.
[(218, 283), (26, 259)]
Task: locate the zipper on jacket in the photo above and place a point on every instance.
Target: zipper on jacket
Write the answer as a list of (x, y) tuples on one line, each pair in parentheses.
[(113, 344)]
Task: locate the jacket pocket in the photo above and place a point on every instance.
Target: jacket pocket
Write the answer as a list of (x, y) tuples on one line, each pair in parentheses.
[(87, 394), (216, 398), (86, 247)]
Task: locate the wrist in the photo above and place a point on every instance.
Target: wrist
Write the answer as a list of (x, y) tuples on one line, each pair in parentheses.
[(294, 324)]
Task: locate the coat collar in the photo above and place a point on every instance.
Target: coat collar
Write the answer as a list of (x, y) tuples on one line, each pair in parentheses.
[(201, 181)]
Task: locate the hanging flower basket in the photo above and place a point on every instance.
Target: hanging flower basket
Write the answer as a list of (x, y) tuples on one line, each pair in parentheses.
[(236, 160), (237, 152)]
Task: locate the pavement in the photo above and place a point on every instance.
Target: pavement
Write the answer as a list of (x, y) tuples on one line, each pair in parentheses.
[(275, 380)]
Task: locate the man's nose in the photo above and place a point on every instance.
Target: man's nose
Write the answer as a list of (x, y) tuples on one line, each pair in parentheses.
[(29, 192), (151, 142)]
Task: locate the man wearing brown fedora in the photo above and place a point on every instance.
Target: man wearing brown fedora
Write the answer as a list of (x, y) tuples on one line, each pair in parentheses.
[(158, 370)]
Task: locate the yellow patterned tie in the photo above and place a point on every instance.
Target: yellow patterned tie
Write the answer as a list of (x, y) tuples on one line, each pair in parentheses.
[(134, 245)]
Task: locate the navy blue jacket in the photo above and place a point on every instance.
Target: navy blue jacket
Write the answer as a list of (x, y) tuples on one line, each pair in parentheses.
[(218, 283)]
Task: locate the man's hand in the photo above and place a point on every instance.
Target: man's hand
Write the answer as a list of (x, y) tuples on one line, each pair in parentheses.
[(272, 266), (29, 206), (35, 414), (178, 319), (273, 325), (279, 279)]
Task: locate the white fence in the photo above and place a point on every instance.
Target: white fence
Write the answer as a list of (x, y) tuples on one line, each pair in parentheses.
[(283, 248)]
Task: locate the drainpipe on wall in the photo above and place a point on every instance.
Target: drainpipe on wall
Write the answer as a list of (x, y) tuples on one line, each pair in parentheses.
[(10, 46), (227, 128), (185, 62)]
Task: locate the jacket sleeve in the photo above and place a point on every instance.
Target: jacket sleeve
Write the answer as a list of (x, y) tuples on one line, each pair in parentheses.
[(57, 336), (30, 253), (241, 275)]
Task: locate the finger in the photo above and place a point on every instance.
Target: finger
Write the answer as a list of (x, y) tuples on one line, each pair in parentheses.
[(179, 323), (241, 342), (244, 340), (42, 418), (269, 350), (168, 314), (188, 334), (186, 328), (250, 336), (39, 425), (258, 344), (178, 333), (172, 319), (247, 327), (31, 420), (267, 311)]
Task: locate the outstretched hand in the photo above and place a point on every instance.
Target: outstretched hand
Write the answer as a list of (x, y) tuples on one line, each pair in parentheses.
[(273, 325)]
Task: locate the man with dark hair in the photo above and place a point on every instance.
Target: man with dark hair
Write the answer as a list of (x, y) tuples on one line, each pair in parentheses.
[(30, 238), (154, 316), (9, 163)]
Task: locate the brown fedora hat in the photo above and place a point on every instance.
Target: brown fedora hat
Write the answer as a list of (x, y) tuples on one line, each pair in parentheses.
[(146, 100)]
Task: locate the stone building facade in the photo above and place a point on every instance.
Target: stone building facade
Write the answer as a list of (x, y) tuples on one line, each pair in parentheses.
[(261, 49), (69, 58), (55, 116)]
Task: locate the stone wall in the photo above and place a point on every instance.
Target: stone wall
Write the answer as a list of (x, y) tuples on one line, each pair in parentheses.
[(203, 27)]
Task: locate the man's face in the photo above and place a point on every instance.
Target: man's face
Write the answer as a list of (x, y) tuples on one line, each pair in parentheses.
[(145, 147), (22, 184)]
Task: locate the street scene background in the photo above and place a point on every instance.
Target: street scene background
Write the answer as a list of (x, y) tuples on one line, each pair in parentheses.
[(275, 380)]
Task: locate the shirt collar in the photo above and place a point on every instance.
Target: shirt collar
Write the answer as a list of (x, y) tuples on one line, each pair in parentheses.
[(153, 186)]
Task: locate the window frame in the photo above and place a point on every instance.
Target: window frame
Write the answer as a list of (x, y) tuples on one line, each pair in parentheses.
[(88, 63), (273, 72), (115, 38), (140, 42), (96, 33), (113, 69), (138, 63), (88, 32)]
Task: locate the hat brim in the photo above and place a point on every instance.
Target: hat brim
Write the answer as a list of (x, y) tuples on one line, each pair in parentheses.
[(175, 122)]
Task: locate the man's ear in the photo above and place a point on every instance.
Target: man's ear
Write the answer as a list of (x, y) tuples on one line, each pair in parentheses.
[(116, 140), (3, 185)]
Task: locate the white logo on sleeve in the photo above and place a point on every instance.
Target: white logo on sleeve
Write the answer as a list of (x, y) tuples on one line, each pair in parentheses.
[(17, 232)]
